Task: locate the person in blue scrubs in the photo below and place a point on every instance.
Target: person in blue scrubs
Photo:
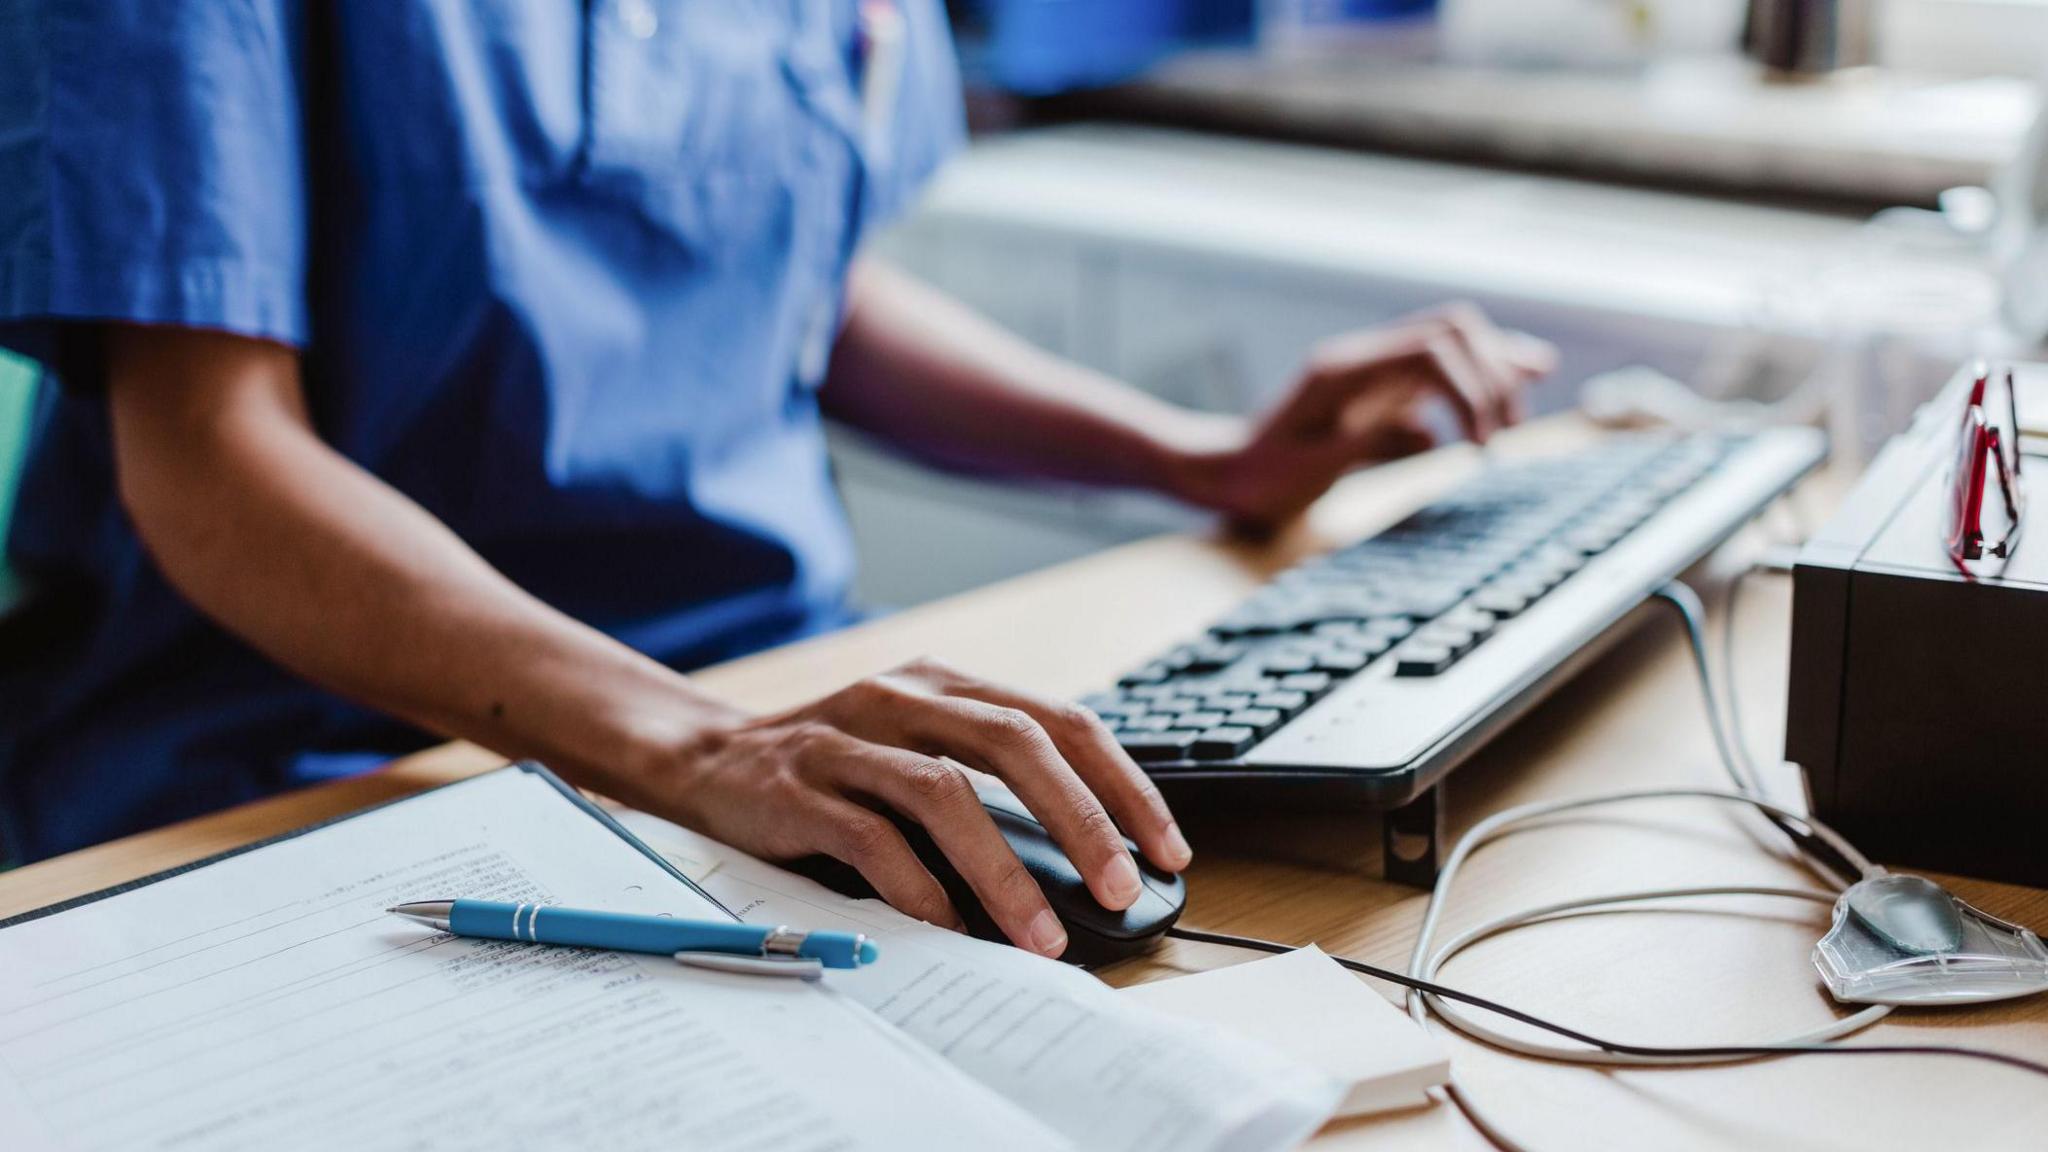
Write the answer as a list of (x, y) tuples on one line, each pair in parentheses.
[(457, 368)]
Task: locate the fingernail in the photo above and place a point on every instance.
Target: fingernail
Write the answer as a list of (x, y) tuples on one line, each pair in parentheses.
[(1124, 884), (1047, 936), (1177, 850)]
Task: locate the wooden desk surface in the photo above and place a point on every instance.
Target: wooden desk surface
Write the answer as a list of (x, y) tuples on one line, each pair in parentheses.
[(1702, 974)]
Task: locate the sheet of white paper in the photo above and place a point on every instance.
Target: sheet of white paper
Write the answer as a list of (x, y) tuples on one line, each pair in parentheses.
[(1302, 1003), (1110, 1075), (267, 1001)]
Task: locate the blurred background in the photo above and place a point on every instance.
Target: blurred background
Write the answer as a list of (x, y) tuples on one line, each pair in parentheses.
[(1721, 210)]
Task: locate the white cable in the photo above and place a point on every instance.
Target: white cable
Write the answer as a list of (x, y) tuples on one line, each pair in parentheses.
[(1428, 957), (1457, 1017), (1736, 761), (1426, 961), (1693, 614), (1731, 692)]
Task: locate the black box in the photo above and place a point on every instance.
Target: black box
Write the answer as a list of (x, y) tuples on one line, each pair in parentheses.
[(1917, 702)]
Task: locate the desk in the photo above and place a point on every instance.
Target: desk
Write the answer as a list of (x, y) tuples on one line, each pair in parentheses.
[(1694, 976)]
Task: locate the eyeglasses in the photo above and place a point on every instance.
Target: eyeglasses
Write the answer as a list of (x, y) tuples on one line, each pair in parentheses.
[(1987, 444)]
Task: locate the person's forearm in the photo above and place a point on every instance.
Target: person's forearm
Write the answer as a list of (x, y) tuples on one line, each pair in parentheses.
[(336, 575), (916, 368), (344, 580)]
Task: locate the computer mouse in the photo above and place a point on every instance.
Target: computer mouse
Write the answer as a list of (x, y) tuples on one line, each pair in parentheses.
[(1095, 935), (1910, 913)]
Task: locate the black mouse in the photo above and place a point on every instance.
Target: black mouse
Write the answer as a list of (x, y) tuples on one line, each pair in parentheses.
[(1095, 935)]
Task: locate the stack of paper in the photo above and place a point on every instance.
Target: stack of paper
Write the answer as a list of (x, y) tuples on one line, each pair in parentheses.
[(267, 1001), (1103, 1070)]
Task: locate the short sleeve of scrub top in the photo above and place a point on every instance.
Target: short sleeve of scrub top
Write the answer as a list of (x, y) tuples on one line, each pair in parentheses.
[(561, 273)]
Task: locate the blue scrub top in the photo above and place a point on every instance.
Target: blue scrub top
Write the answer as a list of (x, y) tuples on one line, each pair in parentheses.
[(565, 272)]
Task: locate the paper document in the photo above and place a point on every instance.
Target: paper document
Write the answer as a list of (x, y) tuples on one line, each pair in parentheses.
[(1302, 1003), (267, 1001), (1104, 1071)]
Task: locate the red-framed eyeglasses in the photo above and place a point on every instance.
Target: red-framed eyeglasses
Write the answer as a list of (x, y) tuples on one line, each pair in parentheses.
[(1987, 445)]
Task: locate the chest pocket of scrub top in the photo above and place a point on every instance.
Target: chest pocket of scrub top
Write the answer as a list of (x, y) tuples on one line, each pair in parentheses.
[(698, 119)]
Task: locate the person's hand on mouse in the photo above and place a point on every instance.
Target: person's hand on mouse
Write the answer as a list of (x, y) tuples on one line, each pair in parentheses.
[(816, 779), (1361, 399)]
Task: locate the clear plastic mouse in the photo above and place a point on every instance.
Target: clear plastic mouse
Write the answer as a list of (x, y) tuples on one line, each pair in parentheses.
[(1907, 940)]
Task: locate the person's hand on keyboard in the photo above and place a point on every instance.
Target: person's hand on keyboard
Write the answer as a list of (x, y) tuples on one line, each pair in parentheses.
[(1362, 398), (810, 781)]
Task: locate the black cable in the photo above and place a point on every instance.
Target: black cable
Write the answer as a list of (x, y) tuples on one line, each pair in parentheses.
[(1719, 1052)]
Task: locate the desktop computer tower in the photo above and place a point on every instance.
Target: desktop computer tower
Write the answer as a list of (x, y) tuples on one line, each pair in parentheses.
[(1918, 703)]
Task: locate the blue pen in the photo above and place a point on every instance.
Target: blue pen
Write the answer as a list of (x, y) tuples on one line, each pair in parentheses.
[(732, 947)]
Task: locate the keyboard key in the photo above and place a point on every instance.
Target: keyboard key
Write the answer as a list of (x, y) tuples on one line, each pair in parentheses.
[(1449, 632), (1424, 602), (1554, 560), (1591, 539), (1222, 743), (1281, 700), (1394, 626), (1207, 658), (1531, 580), (1199, 720), (1227, 701), (1153, 747), (1246, 624), (1418, 659), (1149, 674), (1503, 601), (1466, 618), (1533, 584), (1371, 645), (1286, 663), (1259, 720), (1144, 724), (1341, 662), (1312, 684)]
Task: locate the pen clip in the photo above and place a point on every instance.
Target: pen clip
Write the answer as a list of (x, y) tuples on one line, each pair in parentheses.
[(800, 967)]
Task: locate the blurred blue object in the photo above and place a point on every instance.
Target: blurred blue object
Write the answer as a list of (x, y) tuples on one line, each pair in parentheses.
[(1219, 21), (1358, 10), (1039, 47)]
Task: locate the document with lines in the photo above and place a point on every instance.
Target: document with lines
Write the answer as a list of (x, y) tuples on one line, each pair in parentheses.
[(266, 1001), (1105, 1071)]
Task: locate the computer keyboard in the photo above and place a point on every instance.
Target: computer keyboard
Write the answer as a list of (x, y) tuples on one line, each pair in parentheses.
[(1372, 670)]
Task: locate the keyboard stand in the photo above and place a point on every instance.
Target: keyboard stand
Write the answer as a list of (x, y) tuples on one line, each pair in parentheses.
[(1411, 839)]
